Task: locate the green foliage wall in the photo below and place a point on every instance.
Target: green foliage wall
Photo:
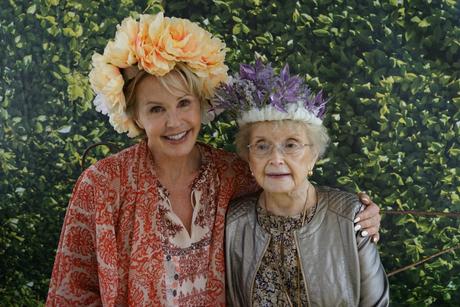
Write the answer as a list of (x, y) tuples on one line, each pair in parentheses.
[(391, 69)]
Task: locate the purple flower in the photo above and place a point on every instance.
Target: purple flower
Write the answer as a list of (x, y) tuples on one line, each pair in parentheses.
[(256, 86), (261, 75), (317, 105), (286, 90)]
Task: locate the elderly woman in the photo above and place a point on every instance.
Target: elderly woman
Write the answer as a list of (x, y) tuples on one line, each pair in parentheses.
[(145, 227), (294, 243)]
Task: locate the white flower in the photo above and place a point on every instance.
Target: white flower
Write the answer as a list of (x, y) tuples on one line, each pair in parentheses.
[(102, 104)]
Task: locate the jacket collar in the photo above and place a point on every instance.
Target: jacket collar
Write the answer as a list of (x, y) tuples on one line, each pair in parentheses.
[(309, 228)]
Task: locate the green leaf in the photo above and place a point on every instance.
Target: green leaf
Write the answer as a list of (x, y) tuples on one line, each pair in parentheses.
[(64, 129), (31, 9), (75, 92), (321, 32), (52, 2), (262, 40), (63, 69), (236, 29), (324, 19), (424, 23)]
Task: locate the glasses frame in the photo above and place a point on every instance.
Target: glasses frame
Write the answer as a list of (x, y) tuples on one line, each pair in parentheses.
[(279, 148)]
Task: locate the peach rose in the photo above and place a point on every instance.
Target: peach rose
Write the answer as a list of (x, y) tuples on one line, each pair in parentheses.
[(149, 45), (106, 79), (121, 122), (122, 51), (156, 43), (211, 59), (184, 39), (210, 64)]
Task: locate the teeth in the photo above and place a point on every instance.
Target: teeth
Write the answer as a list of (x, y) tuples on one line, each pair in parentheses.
[(176, 136)]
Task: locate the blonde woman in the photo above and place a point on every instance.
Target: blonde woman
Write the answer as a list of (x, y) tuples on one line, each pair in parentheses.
[(145, 227)]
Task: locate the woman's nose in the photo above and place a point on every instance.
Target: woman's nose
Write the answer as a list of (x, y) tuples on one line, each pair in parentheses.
[(172, 120), (276, 156)]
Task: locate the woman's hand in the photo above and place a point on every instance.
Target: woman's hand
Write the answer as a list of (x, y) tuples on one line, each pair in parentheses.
[(368, 221)]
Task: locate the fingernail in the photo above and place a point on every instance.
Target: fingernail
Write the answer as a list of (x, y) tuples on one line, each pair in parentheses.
[(357, 220), (361, 209), (357, 227), (374, 240), (364, 233)]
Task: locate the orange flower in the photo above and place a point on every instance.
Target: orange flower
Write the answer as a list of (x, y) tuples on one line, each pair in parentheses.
[(107, 80), (122, 51), (121, 122), (149, 45), (210, 63), (184, 39), (155, 43)]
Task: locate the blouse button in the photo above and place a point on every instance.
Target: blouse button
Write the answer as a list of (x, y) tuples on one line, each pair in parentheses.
[(174, 292), (176, 276), (168, 257)]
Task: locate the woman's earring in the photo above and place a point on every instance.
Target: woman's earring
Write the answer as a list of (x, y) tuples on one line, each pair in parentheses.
[(309, 173)]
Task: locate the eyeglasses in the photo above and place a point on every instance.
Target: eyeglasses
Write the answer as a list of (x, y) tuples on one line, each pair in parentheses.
[(265, 148)]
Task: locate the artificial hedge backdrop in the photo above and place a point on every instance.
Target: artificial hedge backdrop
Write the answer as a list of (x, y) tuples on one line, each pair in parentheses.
[(390, 67)]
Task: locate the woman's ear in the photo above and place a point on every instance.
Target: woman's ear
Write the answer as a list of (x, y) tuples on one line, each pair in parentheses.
[(314, 160), (135, 117), (138, 123), (250, 169)]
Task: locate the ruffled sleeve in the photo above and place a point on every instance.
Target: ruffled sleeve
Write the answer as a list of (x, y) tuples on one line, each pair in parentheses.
[(86, 254)]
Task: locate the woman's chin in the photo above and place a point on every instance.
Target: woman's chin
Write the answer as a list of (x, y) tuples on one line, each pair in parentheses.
[(278, 188)]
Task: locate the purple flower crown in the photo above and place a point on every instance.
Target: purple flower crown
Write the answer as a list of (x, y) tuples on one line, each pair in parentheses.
[(257, 88)]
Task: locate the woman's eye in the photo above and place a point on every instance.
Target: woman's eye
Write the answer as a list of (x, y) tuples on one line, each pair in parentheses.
[(262, 146), (184, 103), (292, 144), (156, 109)]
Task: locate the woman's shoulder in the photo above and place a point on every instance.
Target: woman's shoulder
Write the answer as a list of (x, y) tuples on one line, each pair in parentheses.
[(110, 166), (224, 161), (242, 206), (341, 203), (218, 153)]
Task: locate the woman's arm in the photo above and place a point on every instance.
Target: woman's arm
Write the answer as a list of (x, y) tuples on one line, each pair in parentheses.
[(74, 279), (368, 221)]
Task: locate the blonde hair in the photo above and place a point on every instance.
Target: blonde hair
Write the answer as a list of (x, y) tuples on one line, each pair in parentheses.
[(317, 134), (176, 79)]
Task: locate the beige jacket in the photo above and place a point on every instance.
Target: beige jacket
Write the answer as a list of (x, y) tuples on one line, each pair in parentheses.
[(339, 267)]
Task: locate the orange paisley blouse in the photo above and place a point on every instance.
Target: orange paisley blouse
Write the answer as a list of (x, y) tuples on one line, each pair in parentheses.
[(122, 245)]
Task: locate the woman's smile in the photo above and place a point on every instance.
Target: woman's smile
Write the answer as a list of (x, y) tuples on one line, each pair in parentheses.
[(281, 175), (177, 137)]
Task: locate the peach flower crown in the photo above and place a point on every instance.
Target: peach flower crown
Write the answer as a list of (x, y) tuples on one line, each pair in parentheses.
[(155, 44)]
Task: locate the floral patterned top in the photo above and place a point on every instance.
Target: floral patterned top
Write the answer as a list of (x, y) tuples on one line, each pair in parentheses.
[(278, 280), (122, 245)]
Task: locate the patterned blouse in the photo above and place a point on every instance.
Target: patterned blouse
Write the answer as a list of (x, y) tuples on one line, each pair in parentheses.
[(278, 280), (121, 243)]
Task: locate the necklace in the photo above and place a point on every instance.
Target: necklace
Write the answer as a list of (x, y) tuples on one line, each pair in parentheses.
[(304, 209), (306, 216)]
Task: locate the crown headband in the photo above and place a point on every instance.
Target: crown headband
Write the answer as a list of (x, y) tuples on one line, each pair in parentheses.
[(155, 44), (256, 94)]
